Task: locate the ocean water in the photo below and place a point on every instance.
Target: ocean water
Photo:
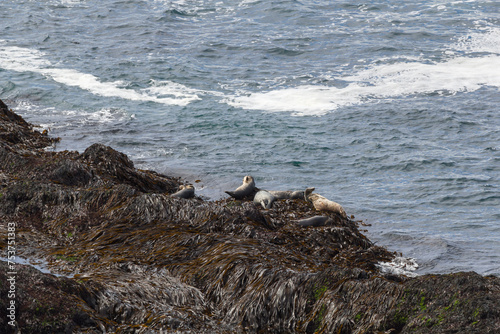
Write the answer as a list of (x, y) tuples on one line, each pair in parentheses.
[(390, 108)]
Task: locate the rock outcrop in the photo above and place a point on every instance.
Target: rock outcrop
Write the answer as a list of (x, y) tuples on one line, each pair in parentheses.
[(133, 259)]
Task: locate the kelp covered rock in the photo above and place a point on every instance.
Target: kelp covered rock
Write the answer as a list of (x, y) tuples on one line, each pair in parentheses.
[(45, 303), (16, 133), (139, 260)]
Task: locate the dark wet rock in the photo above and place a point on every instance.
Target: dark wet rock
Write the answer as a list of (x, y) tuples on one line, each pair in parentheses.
[(142, 261), (45, 303), (116, 166), (71, 173), (15, 132)]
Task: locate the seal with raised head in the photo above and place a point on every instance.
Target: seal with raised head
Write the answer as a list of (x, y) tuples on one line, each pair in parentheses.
[(314, 221), (321, 203), (264, 198), (288, 194), (245, 190), (185, 191)]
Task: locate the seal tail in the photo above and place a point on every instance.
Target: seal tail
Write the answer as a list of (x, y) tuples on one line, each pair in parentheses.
[(232, 194)]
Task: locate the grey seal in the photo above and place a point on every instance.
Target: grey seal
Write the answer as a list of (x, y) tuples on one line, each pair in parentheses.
[(314, 221), (320, 203), (246, 189), (264, 198), (288, 194), (185, 191)]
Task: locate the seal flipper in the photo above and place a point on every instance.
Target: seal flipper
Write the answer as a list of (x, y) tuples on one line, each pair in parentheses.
[(232, 194)]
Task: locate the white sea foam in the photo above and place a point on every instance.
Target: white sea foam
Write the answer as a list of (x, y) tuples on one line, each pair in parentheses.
[(45, 119), (400, 266), (464, 73), (21, 59), (487, 40), (71, 2), (27, 60), (164, 89), (301, 100)]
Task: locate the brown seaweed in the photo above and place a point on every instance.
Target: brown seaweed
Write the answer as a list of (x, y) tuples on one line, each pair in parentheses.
[(141, 261)]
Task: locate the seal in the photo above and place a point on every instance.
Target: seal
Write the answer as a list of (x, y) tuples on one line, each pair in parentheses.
[(314, 221), (320, 203), (246, 189), (264, 198), (185, 191), (288, 194)]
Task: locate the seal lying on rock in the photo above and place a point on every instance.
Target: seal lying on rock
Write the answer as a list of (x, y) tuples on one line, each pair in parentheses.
[(264, 198), (314, 221), (322, 204), (185, 191), (288, 194), (246, 189)]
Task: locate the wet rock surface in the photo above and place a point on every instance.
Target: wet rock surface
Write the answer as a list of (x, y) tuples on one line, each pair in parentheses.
[(138, 260)]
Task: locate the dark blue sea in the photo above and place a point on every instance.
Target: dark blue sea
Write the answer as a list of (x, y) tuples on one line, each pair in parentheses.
[(390, 108)]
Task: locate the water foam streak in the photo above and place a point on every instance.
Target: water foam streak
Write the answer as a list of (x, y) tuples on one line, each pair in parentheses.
[(460, 71), (460, 74), (18, 59)]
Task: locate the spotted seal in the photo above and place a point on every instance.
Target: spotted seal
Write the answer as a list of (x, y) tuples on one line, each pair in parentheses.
[(322, 204), (264, 198), (288, 194), (185, 191), (246, 189), (314, 221)]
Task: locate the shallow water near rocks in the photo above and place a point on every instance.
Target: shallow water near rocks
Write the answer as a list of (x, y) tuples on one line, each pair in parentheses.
[(390, 109), (39, 264)]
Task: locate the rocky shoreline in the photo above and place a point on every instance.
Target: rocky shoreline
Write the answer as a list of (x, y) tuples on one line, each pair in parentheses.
[(133, 259)]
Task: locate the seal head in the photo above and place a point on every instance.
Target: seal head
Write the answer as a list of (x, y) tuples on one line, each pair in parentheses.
[(245, 190)]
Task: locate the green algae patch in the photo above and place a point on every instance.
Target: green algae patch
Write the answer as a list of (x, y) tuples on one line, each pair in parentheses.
[(66, 258), (319, 290), (422, 305)]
